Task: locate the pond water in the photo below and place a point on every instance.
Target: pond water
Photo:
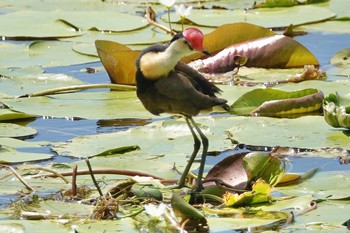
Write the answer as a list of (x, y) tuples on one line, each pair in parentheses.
[(59, 130)]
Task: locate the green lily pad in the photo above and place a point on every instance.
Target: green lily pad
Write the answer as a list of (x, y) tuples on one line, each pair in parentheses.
[(16, 131), (266, 17), (17, 143), (27, 84), (6, 114), (303, 132), (92, 20), (341, 58), (162, 137), (328, 27), (41, 25), (272, 102), (336, 110), (260, 165), (10, 155), (87, 105), (41, 53), (331, 185), (60, 24)]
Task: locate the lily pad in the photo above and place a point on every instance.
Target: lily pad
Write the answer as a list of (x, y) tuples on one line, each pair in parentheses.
[(27, 84), (42, 54), (332, 185), (303, 132), (16, 131), (6, 114), (92, 20), (266, 17), (41, 25), (341, 58), (9, 155), (272, 102), (276, 51), (87, 105)]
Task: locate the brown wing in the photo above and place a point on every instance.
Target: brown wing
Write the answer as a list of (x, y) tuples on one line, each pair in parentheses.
[(198, 81), (179, 94)]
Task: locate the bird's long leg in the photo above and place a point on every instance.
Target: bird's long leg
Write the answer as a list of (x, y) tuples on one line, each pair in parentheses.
[(205, 143), (196, 146)]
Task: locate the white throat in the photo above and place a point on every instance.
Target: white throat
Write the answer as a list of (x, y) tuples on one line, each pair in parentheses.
[(156, 65)]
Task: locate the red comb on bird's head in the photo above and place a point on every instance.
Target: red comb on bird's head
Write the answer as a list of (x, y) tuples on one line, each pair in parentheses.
[(195, 37)]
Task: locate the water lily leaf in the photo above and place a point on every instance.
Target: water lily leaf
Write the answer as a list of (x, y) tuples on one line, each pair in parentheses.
[(341, 58), (272, 102), (332, 185), (118, 60), (328, 27), (336, 110), (42, 24), (92, 20), (223, 223), (27, 84), (230, 171), (303, 132), (64, 208), (260, 193), (6, 114), (264, 166), (9, 155), (25, 226), (41, 53), (134, 39), (276, 51), (16, 131), (158, 133), (267, 17), (87, 105)]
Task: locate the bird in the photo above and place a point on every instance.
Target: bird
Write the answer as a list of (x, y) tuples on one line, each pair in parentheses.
[(165, 84)]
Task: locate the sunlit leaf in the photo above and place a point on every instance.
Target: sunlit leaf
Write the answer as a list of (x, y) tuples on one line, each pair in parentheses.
[(10, 155), (267, 17), (302, 132), (230, 171), (341, 58), (41, 53), (27, 84), (87, 105), (42, 24), (268, 52), (272, 102), (229, 34), (6, 114), (92, 20), (260, 193), (16, 131), (260, 165), (118, 60)]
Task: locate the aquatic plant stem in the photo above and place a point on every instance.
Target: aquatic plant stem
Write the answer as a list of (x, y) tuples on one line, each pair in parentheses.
[(59, 90)]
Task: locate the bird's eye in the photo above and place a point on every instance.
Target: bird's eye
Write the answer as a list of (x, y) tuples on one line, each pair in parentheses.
[(188, 44)]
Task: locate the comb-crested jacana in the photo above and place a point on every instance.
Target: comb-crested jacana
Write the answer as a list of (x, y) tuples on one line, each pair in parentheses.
[(167, 85)]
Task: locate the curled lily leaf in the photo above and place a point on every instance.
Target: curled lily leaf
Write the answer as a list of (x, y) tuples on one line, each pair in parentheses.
[(272, 102), (336, 110)]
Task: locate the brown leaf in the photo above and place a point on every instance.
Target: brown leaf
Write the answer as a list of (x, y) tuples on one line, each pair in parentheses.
[(119, 61), (229, 171)]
